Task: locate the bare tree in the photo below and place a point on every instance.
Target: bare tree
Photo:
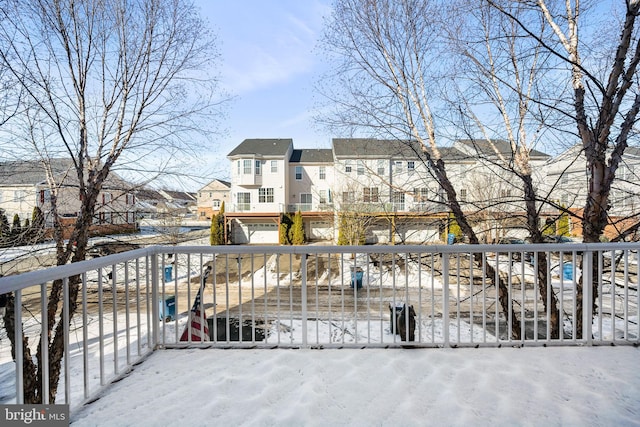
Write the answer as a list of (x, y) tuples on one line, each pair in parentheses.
[(107, 83), (505, 71), (382, 82), (603, 78)]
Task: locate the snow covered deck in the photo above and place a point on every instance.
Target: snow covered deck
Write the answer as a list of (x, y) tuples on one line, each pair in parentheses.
[(571, 386)]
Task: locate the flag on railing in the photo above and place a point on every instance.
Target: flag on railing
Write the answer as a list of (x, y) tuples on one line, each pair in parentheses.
[(197, 316)]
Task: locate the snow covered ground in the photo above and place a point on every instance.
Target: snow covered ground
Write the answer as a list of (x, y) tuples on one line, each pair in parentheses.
[(577, 386)]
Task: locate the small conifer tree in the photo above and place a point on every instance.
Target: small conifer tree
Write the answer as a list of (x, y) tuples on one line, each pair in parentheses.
[(213, 232), (296, 231), (16, 228), (284, 231), (216, 236), (37, 225), (562, 229)]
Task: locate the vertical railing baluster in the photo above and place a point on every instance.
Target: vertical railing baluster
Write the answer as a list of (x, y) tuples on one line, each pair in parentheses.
[(445, 299), (253, 301), (85, 337), (587, 300), (155, 310), (101, 326), (114, 295), (303, 299), (65, 328), (176, 299), (138, 310), (19, 340), (127, 311), (239, 298), (44, 340)]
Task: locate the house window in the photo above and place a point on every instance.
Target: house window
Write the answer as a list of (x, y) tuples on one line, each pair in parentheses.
[(505, 194), (420, 194), (323, 196), (216, 204), (564, 179), (322, 172), (265, 195), (238, 163), (131, 199), (274, 166), (244, 201), (347, 166), (442, 195), (18, 195), (106, 198), (247, 167), (370, 195), (360, 167), (411, 166), (306, 201), (298, 173), (398, 166), (348, 197), (398, 200), (258, 167), (463, 195), (381, 167)]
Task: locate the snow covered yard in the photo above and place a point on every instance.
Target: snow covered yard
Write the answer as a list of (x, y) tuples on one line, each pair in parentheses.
[(534, 386)]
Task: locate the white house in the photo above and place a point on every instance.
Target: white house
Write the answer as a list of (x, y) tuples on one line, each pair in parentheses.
[(259, 189)]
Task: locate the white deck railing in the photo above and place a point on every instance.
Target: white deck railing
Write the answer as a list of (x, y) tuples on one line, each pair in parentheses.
[(133, 303)]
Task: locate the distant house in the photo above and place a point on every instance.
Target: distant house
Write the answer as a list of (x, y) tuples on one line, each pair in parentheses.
[(24, 186), (148, 201), (179, 202), (568, 179), (210, 198)]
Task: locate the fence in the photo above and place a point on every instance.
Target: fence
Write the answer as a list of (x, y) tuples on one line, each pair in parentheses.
[(135, 302)]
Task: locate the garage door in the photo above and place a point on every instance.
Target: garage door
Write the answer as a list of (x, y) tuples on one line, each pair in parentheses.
[(256, 233), (321, 230)]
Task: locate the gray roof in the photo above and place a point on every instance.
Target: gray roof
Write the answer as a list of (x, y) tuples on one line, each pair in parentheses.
[(504, 147), (387, 149), (265, 147), (317, 155), (31, 172)]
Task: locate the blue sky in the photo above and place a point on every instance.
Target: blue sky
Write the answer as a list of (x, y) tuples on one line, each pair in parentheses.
[(269, 62)]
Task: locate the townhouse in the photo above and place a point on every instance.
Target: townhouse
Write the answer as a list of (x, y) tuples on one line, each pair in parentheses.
[(24, 186), (567, 180), (386, 183)]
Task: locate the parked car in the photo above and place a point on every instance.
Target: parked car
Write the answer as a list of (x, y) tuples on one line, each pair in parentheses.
[(108, 248), (558, 239), (517, 256)]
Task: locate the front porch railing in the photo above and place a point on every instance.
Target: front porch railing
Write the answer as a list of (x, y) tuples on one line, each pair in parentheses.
[(133, 303)]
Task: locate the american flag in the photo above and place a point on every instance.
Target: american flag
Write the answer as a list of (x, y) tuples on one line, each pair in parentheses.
[(197, 316)]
